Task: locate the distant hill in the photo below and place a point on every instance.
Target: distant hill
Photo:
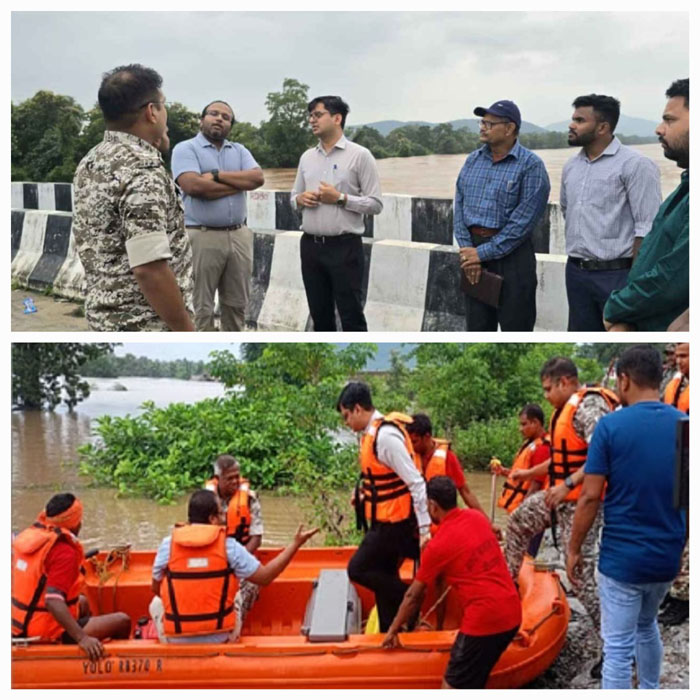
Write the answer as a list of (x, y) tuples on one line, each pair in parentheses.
[(387, 126), (629, 126)]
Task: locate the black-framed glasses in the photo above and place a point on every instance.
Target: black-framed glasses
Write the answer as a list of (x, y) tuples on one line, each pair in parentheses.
[(486, 124), (224, 115), (317, 115)]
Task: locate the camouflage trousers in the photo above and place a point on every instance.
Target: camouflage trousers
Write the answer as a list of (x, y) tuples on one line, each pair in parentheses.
[(246, 596), (533, 516), (681, 586)]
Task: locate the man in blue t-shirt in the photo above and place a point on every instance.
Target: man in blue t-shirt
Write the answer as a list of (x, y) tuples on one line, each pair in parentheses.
[(633, 453)]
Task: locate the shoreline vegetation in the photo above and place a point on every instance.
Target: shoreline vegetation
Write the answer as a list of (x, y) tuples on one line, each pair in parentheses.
[(51, 133)]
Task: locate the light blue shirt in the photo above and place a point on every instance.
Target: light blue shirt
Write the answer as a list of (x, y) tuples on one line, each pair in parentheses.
[(608, 201), (241, 561), (198, 155)]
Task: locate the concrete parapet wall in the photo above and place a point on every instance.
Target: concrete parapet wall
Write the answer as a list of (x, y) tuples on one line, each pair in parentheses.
[(411, 272)]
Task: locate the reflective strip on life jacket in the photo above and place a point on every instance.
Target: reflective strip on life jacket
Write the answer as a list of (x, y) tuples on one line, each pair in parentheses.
[(198, 589)]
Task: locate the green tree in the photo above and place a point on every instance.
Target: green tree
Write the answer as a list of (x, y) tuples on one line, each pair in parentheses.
[(287, 132), (45, 131), (43, 372)]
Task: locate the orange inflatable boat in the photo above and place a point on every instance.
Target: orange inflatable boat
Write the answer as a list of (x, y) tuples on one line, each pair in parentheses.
[(286, 641)]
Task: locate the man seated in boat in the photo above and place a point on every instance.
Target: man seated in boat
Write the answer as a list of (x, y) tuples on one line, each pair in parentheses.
[(391, 504), (241, 508), (528, 472), (197, 570), (47, 580), (466, 552), (435, 458)]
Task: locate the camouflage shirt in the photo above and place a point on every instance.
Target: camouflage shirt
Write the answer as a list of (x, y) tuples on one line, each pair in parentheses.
[(127, 213), (591, 409)]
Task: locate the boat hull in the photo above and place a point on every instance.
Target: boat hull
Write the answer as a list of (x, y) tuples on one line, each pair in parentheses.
[(273, 653)]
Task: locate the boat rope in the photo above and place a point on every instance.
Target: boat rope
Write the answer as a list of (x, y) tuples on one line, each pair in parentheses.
[(424, 619), (120, 554)]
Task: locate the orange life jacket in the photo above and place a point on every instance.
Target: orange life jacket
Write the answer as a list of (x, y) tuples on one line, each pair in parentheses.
[(386, 496), (198, 587), (237, 510), (437, 464), (514, 491), (675, 397), (569, 451), (30, 618)]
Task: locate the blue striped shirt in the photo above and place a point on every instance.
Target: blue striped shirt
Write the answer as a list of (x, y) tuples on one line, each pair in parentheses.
[(510, 194), (608, 202)]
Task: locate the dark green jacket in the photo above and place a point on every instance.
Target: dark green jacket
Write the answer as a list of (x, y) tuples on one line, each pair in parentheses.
[(657, 288)]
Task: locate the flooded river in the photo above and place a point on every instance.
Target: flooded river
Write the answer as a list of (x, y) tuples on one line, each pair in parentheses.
[(435, 175), (44, 462)]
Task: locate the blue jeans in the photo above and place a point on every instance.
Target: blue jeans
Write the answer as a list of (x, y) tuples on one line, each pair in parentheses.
[(629, 630)]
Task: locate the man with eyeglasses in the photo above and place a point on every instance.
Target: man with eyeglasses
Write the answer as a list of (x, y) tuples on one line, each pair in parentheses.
[(128, 223), (501, 192), (214, 175), (337, 184)]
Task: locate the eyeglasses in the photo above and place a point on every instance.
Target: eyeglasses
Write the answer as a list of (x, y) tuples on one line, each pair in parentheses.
[(485, 124), (224, 115), (317, 115)]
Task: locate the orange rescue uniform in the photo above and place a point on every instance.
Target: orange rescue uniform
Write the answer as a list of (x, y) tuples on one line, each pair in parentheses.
[(514, 491), (675, 397)]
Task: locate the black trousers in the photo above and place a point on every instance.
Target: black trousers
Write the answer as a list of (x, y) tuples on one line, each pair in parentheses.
[(376, 564), (472, 658), (587, 291), (517, 310), (332, 268)]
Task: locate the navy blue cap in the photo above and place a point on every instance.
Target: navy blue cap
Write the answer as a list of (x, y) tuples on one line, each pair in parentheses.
[(503, 108)]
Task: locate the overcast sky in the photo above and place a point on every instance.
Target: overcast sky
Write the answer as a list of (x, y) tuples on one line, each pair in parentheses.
[(174, 351), (387, 65)]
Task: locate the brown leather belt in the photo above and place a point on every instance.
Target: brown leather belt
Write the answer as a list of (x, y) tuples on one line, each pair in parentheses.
[(483, 232), (235, 227)]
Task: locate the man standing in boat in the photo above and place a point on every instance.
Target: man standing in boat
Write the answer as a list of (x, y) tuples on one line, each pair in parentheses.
[(47, 580), (193, 605), (241, 508), (466, 552), (391, 503)]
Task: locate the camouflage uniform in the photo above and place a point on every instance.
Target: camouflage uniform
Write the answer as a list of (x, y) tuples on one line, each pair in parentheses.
[(127, 213), (681, 586), (247, 592), (533, 516)]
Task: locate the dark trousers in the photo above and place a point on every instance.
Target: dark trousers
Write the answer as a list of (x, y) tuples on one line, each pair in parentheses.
[(332, 269), (587, 291), (534, 545), (376, 564), (472, 658), (517, 310)]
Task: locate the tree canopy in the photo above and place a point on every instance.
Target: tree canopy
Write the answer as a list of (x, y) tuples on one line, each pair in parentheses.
[(44, 374)]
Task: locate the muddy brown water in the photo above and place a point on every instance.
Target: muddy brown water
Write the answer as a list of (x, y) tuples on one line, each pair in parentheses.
[(44, 462), (435, 175)]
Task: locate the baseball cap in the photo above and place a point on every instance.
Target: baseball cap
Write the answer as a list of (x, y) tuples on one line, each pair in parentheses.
[(503, 108)]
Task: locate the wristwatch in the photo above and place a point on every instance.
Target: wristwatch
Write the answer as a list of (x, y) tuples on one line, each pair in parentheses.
[(215, 175), (569, 483), (342, 200)]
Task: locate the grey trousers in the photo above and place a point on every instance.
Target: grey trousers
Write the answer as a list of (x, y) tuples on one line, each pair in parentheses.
[(222, 261)]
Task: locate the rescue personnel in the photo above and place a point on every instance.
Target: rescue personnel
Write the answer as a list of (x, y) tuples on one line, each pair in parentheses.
[(196, 573), (435, 458), (676, 606), (577, 410), (241, 508), (466, 552), (528, 472), (390, 505), (47, 580)]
